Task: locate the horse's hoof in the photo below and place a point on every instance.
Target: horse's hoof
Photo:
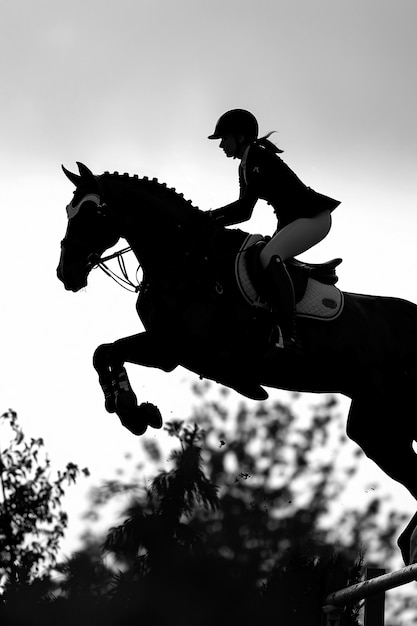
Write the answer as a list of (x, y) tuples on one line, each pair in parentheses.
[(125, 401), (109, 403), (133, 422), (150, 414)]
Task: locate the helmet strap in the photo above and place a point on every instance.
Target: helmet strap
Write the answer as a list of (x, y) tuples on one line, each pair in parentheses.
[(242, 143)]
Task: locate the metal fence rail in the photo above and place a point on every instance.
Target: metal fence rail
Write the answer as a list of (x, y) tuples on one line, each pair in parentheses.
[(352, 594), (373, 586)]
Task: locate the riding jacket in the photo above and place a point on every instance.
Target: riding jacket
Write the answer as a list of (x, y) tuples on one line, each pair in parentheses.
[(264, 175)]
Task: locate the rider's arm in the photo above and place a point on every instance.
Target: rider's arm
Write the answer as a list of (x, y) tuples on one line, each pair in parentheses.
[(236, 212), (240, 210)]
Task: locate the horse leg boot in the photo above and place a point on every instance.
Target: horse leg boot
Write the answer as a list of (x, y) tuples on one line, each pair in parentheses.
[(282, 298), (140, 349), (118, 394)]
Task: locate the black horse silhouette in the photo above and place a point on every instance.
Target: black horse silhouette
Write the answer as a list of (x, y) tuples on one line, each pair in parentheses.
[(194, 315)]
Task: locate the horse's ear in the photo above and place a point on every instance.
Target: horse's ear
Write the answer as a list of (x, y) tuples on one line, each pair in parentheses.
[(74, 178), (85, 173), (85, 179)]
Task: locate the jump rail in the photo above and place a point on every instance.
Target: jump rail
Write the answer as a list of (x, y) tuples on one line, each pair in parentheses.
[(370, 587)]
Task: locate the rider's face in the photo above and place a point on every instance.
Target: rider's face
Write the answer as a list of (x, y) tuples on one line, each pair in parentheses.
[(229, 145)]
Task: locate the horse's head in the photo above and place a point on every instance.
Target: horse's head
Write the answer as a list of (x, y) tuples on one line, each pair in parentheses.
[(91, 230)]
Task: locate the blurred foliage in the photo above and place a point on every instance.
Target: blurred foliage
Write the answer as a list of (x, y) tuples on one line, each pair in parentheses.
[(240, 531), (32, 521), (281, 481), (241, 524)]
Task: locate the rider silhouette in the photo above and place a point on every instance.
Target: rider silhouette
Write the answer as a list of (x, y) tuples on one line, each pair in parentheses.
[(303, 215)]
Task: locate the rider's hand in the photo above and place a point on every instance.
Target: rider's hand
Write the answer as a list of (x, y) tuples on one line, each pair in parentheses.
[(215, 214)]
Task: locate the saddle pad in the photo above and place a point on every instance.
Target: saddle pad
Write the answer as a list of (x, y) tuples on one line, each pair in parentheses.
[(245, 284), (320, 301)]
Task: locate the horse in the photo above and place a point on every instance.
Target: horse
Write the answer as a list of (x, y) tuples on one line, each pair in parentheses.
[(195, 315)]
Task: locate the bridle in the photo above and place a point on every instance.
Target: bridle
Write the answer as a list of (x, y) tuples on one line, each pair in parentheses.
[(93, 259), (123, 280)]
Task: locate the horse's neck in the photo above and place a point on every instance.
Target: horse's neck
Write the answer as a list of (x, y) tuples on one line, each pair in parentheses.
[(163, 229), (156, 221)]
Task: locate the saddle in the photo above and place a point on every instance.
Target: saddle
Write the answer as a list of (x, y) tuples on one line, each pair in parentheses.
[(314, 283)]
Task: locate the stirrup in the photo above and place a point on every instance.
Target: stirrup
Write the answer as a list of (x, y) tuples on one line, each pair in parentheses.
[(276, 338), (282, 343)]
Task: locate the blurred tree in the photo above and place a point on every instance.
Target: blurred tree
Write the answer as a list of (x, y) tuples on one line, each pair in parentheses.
[(154, 523), (32, 521), (251, 541), (281, 479), (240, 528)]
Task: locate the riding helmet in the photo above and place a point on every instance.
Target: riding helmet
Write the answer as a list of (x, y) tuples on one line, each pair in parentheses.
[(236, 122)]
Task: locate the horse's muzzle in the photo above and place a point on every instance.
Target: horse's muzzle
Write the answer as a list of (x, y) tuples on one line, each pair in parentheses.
[(70, 281)]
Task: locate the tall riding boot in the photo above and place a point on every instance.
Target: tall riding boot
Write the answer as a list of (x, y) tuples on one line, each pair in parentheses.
[(282, 298)]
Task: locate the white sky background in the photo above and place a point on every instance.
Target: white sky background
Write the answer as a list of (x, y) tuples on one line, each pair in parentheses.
[(137, 86)]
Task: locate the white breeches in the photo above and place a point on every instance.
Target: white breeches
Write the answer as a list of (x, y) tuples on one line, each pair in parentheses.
[(297, 237)]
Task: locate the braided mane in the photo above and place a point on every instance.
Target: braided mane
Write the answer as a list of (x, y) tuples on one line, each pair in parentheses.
[(153, 184)]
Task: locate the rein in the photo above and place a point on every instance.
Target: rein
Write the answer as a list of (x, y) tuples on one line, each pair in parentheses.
[(123, 280)]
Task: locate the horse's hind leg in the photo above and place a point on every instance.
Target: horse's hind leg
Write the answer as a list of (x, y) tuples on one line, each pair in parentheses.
[(381, 427), (383, 431), (407, 541)]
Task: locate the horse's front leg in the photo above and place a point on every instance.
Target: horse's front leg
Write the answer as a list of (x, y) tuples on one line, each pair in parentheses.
[(109, 359), (102, 367)]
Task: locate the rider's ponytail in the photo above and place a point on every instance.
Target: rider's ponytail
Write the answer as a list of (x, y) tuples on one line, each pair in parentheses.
[(268, 145)]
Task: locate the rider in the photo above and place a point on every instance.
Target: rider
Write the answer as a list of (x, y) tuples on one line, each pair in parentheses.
[(303, 214)]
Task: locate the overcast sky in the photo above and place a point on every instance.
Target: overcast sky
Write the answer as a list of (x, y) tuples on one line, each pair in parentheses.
[(135, 85)]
